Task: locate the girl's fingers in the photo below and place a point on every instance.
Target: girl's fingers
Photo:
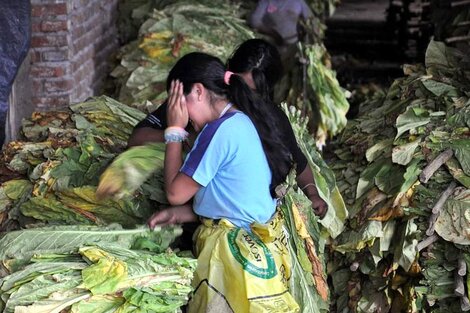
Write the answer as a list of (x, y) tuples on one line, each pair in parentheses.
[(159, 218), (177, 110), (172, 92), (171, 100), (180, 94), (176, 95)]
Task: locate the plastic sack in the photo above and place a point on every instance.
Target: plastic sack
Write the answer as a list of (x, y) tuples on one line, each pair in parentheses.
[(242, 272), (15, 31)]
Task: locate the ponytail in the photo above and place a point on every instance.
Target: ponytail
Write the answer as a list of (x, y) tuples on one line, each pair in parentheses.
[(262, 86), (259, 109)]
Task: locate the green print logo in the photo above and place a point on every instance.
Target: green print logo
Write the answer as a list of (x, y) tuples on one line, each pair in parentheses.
[(254, 245)]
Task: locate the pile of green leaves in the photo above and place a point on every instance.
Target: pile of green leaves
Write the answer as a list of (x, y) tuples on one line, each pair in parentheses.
[(403, 248), (59, 163), (77, 266), (325, 180), (92, 269), (310, 83), (214, 27), (307, 234), (307, 282), (315, 90), (330, 99)]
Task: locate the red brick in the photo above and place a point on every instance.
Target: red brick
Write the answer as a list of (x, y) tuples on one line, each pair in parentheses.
[(53, 26), (41, 10), (48, 41), (35, 27), (81, 57), (35, 56), (84, 72), (49, 102), (38, 86), (51, 86), (47, 71), (55, 55), (73, 66)]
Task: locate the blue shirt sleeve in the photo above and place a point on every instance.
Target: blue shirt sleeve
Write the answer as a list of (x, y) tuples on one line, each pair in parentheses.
[(208, 155)]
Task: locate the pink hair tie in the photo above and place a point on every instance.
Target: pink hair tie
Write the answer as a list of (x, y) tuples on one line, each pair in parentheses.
[(227, 77)]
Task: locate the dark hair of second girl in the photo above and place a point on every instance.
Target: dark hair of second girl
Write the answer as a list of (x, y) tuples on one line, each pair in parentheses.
[(263, 60), (208, 70)]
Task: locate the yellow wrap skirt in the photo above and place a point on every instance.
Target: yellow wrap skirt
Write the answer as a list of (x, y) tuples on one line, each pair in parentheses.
[(241, 271)]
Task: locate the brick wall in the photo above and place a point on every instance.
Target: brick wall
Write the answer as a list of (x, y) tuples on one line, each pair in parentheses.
[(71, 45)]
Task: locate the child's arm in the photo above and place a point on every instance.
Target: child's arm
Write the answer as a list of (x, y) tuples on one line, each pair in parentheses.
[(173, 215)]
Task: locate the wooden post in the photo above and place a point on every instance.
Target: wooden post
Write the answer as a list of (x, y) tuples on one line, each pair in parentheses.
[(20, 104)]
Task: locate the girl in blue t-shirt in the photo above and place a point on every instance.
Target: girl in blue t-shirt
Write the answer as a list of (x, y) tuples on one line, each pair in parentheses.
[(259, 64), (232, 171)]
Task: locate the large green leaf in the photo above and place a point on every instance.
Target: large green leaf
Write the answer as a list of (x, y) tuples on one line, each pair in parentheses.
[(438, 54), (406, 251), (411, 175), (380, 148), (456, 171), (105, 275), (411, 119), (440, 89), (366, 180), (17, 188), (404, 154), (389, 179), (44, 284), (51, 210), (131, 169), (98, 304), (54, 305), (352, 241), (35, 270), (462, 153), (453, 224), (65, 239)]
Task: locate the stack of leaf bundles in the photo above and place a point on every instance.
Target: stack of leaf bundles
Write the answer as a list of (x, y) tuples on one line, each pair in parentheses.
[(403, 168)]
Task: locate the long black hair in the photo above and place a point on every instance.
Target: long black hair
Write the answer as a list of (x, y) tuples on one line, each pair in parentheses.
[(208, 70), (263, 60)]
